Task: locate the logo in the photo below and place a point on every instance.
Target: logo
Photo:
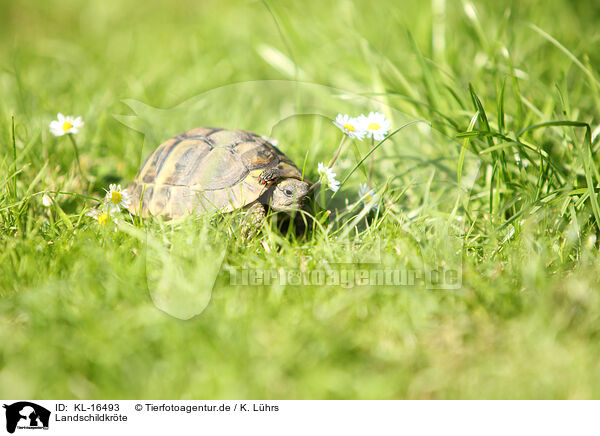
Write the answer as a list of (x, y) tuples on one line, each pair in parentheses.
[(26, 415)]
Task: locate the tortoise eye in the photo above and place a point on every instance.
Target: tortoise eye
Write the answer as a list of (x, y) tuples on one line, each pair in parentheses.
[(288, 192)]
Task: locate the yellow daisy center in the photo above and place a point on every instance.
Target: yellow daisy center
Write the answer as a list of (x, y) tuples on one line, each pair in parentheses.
[(374, 126), (116, 197), (349, 127), (67, 126), (103, 219)]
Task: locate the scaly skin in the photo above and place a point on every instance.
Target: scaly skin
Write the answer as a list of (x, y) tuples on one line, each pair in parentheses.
[(253, 219)]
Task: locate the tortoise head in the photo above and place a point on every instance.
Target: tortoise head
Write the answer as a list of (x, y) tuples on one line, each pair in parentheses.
[(288, 194)]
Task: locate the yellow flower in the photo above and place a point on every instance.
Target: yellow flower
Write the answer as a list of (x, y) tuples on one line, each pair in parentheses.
[(101, 216)]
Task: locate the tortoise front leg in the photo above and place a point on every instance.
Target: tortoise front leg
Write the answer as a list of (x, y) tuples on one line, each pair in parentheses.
[(253, 219), (269, 175)]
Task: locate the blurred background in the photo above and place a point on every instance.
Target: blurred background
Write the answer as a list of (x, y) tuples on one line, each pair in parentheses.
[(87, 57)]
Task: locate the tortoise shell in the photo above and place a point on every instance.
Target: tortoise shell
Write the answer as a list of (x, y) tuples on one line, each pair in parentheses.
[(204, 170)]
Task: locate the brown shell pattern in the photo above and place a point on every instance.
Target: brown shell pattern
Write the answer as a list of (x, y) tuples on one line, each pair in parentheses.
[(204, 170)]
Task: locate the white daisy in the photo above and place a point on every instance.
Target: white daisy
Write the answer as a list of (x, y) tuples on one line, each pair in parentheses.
[(46, 200), (101, 216), (350, 126), (65, 125), (367, 195), (375, 125), (117, 198), (328, 173), (334, 184)]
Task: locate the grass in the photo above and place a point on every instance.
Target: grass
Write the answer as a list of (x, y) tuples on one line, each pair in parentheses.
[(502, 183)]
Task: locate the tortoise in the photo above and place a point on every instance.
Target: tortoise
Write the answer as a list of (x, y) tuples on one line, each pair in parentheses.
[(211, 169)]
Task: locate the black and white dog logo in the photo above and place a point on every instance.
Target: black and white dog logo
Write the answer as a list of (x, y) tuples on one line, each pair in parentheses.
[(26, 415)]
